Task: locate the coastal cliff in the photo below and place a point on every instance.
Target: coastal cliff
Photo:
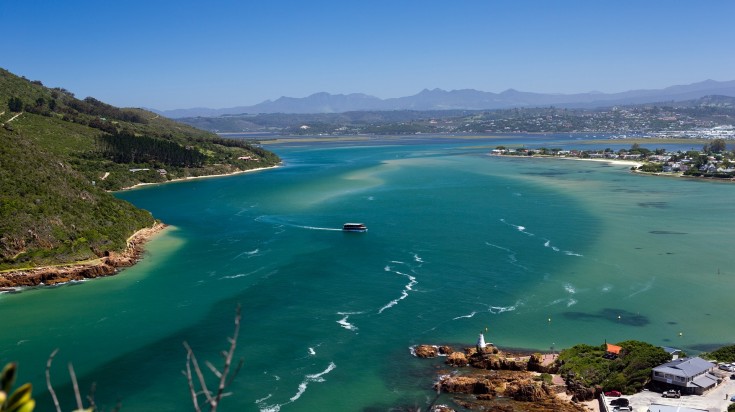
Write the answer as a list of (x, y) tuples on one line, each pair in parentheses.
[(105, 265)]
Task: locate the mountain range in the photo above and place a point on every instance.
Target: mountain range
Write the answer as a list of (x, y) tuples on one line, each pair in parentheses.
[(465, 99)]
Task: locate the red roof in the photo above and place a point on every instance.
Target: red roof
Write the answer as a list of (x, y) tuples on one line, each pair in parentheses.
[(613, 349)]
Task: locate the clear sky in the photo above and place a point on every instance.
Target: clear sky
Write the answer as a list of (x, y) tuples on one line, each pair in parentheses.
[(167, 54)]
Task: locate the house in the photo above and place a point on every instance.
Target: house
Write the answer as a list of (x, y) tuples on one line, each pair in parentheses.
[(689, 375), (612, 351), (675, 353)]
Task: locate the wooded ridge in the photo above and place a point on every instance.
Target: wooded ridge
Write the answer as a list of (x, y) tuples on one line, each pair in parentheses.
[(60, 156)]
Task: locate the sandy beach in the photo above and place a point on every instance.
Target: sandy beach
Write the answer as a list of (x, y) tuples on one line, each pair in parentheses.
[(199, 177)]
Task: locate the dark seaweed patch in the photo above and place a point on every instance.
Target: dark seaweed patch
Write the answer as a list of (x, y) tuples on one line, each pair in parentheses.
[(545, 173), (657, 205), (611, 315)]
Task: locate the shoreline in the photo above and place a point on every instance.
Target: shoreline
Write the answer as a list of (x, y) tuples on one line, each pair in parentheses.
[(107, 265), (183, 179), (618, 162), (14, 280)]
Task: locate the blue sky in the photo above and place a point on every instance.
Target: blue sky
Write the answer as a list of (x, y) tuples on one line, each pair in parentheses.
[(168, 54)]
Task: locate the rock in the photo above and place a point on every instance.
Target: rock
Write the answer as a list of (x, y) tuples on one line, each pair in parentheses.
[(465, 384), (456, 359), (528, 391), (445, 350), (496, 362), (580, 393), (441, 408), (426, 351)]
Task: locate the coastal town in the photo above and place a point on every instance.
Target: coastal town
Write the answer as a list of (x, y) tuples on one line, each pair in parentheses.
[(713, 161)]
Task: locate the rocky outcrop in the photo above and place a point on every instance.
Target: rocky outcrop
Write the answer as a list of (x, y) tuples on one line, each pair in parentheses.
[(445, 350), (456, 359), (106, 265), (498, 362), (516, 385), (426, 351), (581, 393)]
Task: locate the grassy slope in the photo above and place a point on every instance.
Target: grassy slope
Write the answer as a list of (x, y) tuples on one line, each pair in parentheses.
[(54, 207)]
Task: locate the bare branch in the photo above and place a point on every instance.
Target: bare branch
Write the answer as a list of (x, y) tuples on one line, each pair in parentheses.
[(76, 386), (191, 362), (48, 380), (213, 369), (189, 379)]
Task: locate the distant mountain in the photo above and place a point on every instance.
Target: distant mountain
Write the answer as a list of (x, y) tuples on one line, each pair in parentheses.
[(466, 99)]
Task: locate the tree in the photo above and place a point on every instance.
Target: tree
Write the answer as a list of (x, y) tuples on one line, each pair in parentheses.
[(15, 104), (717, 146)]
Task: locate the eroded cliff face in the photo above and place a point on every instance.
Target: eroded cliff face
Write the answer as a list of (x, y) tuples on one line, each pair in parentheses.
[(106, 265)]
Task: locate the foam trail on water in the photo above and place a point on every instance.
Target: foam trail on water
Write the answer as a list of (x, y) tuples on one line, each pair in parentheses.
[(242, 275), (519, 228), (648, 285), (404, 293), (556, 249), (317, 377), (466, 316), (319, 228), (277, 222), (511, 255), (347, 325), (249, 253), (570, 288)]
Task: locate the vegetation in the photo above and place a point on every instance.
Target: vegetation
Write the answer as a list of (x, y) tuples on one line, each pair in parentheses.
[(60, 155), (627, 373), (723, 354), (18, 401)]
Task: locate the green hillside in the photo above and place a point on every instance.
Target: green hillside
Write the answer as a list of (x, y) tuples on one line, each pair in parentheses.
[(59, 156)]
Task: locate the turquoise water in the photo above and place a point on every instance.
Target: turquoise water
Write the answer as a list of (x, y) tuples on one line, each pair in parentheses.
[(543, 253)]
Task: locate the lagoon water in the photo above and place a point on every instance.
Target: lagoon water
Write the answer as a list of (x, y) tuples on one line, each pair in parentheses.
[(544, 253)]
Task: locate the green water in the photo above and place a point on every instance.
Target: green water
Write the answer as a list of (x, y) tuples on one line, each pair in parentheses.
[(541, 252)]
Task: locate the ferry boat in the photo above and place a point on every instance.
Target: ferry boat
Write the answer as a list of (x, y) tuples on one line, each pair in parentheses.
[(354, 227)]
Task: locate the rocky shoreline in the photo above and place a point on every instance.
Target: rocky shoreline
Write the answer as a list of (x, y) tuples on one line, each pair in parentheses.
[(489, 379), (106, 265)]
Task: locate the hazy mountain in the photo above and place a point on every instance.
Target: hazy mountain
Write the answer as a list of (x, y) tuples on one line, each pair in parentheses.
[(466, 99)]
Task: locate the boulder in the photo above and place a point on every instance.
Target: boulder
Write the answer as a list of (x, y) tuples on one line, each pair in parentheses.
[(456, 359), (426, 351), (445, 350)]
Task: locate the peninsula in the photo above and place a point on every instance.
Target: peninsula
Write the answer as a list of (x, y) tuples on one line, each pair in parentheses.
[(61, 157)]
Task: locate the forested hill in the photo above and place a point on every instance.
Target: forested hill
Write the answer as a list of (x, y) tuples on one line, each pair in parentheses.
[(59, 156)]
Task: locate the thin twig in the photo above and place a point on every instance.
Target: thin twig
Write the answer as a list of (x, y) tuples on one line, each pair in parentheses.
[(76, 386), (224, 380), (190, 380), (48, 380), (230, 353)]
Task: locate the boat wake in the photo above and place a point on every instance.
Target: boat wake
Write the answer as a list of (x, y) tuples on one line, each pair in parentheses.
[(278, 222)]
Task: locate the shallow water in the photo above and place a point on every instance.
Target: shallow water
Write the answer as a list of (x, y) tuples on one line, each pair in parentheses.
[(542, 252)]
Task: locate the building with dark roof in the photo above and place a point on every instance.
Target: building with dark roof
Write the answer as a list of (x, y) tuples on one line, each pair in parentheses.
[(689, 375)]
